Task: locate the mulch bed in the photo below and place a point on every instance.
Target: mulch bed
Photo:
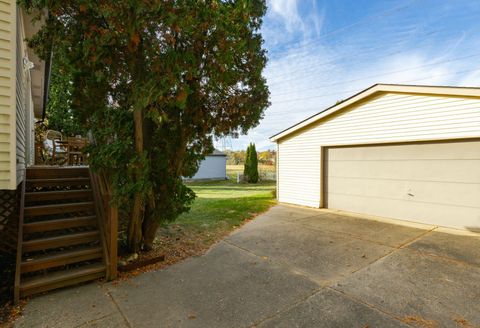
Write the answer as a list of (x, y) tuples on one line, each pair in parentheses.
[(173, 244), (140, 264)]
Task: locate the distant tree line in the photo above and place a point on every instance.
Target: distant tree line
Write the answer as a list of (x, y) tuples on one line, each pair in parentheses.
[(238, 157)]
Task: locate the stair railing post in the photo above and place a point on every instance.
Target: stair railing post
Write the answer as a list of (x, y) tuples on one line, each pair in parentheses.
[(113, 235), (107, 220), (100, 213), (16, 287)]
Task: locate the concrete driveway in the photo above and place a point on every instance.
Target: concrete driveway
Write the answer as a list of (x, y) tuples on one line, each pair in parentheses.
[(292, 267)]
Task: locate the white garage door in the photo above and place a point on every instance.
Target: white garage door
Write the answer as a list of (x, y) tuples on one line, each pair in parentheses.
[(433, 183)]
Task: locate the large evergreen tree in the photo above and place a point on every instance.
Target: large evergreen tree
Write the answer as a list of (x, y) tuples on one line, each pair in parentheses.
[(155, 81), (59, 112)]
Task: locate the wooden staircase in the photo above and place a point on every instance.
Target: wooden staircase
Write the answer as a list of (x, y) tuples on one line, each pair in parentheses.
[(60, 243)]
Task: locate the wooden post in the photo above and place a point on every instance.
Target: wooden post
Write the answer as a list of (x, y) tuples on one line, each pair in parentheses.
[(16, 287), (107, 220), (113, 236)]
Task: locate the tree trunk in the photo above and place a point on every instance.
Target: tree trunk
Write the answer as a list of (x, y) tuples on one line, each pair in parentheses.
[(150, 227), (135, 225), (150, 222)]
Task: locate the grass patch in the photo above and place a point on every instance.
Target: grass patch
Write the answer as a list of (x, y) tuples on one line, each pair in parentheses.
[(220, 207), (263, 170), (224, 205)]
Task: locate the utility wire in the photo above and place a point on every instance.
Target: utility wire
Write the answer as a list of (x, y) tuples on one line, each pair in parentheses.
[(296, 56), (346, 27), (346, 92), (391, 72), (315, 87), (277, 78)]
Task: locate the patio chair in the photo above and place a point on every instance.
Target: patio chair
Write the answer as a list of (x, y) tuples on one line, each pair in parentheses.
[(56, 148), (75, 150)]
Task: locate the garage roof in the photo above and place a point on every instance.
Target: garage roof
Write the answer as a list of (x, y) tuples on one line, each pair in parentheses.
[(217, 152), (377, 89)]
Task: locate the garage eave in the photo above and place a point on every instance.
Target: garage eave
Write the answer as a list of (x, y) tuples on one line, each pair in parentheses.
[(376, 89)]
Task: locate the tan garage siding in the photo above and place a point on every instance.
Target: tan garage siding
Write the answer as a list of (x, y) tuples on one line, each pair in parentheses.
[(435, 183), (7, 94), (386, 118)]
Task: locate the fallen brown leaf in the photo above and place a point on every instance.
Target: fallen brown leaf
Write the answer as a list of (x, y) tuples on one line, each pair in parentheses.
[(420, 322)]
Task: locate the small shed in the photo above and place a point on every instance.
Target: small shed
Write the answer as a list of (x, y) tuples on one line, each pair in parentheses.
[(213, 167)]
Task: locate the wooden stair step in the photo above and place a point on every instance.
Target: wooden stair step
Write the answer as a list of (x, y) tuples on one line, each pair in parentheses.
[(49, 225), (53, 182), (29, 286), (61, 258), (58, 195), (49, 172), (39, 210), (60, 241)]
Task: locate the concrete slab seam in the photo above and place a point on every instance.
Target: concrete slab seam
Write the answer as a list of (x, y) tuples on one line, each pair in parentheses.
[(411, 241), (93, 321), (446, 258), (347, 234), (360, 301), (277, 262), (288, 308), (118, 307)]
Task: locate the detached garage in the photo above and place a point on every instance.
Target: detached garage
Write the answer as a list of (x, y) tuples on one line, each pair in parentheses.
[(395, 151)]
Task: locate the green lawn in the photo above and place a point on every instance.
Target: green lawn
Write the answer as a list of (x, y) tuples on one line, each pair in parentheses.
[(219, 208), (226, 204)]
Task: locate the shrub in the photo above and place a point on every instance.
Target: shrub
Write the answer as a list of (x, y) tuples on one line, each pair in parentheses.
[(250, 171)]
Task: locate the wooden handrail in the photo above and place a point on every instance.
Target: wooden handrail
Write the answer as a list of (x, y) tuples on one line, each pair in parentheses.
[(16, 288), (107, 216)]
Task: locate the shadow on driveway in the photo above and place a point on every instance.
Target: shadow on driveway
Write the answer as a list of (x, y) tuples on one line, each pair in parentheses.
[(291, 267)]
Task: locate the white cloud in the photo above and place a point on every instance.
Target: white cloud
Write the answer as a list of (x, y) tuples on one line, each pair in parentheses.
[(317, 72), (287, 11)]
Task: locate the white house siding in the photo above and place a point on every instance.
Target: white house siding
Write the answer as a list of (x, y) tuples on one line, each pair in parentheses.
[(212, 167), (7, 94), (385, 118)]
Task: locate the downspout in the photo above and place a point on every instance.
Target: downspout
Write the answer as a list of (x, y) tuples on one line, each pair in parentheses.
[(46, 85)]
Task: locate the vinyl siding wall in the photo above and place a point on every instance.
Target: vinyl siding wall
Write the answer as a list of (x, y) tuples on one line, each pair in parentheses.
[(212, 167), (24, 108), (26, 105), (7, 94), (16, 106), (384, 118)]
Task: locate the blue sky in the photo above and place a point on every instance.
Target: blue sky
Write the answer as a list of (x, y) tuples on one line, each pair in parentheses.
[(321, 51)]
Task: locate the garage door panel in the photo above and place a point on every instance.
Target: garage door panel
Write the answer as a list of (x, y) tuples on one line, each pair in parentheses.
[(428, 191), (442, 215), (464, 150), (431, 183), (420, 170)]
